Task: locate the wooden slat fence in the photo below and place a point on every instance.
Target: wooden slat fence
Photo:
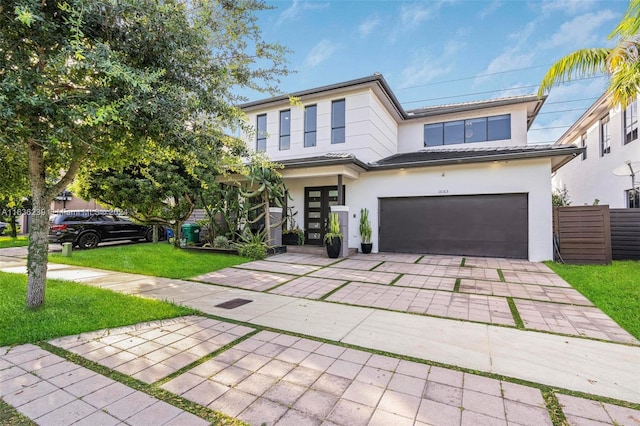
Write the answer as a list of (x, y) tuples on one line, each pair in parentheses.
[(583, 234), (625, 234)]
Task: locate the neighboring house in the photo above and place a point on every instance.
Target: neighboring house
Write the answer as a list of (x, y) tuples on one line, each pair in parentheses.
[(610, 138), (453, 179)]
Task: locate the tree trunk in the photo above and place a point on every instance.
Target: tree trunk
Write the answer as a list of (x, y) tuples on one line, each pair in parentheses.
[(39, 232), (267, 216), (177, 233), (13, 228), (155, 234)]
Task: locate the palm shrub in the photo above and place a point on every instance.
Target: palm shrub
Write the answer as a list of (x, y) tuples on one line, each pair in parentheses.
[(334, 229), (365, 226)]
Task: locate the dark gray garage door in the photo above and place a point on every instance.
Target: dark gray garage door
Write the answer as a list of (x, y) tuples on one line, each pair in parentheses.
[(474, 225)]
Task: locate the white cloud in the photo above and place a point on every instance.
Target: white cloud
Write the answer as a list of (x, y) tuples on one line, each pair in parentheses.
[(365, 28), (423, 69), (579, 32), (508, 60), (568, 6), (412, 15), (320, 53), (297, 7), (491, 7)]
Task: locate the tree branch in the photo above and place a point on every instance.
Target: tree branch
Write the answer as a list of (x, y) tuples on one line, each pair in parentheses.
[(68, 177)]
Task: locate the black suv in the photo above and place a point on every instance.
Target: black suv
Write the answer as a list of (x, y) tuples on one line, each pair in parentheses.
[(87, 229)]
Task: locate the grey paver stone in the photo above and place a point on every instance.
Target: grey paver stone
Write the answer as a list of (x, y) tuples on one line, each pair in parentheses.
[(98, 418), (284, 393), (15, 383), (622, 415), (527, 415), (446, 394), (233, 402), (374, 376), (317, 362), (350, 413), (156, 414), (302, 376), (206, 392), (383, 362), (256, 384), (252, 362), (132, 404), (413, 369), (67, 414), (584, 408), (71, 377), (183, 383), (346, 369), (292, 355), (483, 403), (472, 418), (482, 384), (316, 403), (108, 395), (56, 369), (363, 393), (297, 418), (581, 421), (438, 414), (276, 368), (42, 362), (263, 412), (46, 403), (331, 384), (88, 385), (30, 393), (399, 403), (385, 418), (189, 419), (520, 393), (446, 376), (231, 375)]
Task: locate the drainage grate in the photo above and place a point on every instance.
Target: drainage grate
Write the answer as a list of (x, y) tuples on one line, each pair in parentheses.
[(233, 303)]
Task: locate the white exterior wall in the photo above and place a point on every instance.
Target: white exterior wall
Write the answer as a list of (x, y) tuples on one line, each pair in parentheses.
[(371, 132), (411, 133), (593, 178), (523, 176)]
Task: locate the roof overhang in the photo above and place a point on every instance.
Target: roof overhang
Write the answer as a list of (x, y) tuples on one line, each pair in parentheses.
[(597, 110), (326, 165)]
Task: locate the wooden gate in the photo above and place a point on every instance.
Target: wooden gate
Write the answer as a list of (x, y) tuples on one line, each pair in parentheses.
[(625, 234), (582, 234)]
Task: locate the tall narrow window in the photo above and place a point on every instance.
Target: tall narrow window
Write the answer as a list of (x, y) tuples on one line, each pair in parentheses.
[(337, 121), (583, 144), (605, 137), (261, 141), (631, 122), (633, 199), (310, 125), (285, 130)]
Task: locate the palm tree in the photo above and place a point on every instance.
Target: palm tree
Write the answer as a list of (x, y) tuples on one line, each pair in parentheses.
[(620, 62)]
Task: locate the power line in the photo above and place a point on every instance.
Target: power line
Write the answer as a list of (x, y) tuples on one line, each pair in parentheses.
[(564, 110), (554, 127)]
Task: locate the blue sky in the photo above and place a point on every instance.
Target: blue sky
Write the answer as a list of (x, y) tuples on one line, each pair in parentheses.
[(449, 51)]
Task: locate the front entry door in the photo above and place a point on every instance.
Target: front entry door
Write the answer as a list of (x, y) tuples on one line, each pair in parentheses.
[(317, 202)]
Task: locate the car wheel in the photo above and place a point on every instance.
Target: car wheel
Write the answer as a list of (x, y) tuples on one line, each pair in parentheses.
[(88, 240), (149, 235)]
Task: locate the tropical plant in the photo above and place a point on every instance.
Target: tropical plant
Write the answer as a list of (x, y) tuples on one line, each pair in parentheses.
[(621, 62), (560, 197), (252, 244), (365, 226), (221, 242), (334, 229)]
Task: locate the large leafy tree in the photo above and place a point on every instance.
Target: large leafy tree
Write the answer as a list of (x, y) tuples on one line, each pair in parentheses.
[(100, 83), (621, 62)]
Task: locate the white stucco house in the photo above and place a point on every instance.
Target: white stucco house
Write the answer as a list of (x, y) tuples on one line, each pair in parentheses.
[(610, 138), (453, 179)]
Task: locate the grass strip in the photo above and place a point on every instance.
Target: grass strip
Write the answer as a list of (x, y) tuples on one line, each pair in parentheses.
[(371, 269), (464, 259), (456, 287), (214, 417), (9, 416), (7, 242), (335, 290), (396, 279), (516, 315), (160, 260), (72, 308), (615, 289), (419, 259), (501, 275), (554, 408)]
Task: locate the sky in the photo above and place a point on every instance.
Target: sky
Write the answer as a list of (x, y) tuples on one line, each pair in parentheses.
[(445, 51)]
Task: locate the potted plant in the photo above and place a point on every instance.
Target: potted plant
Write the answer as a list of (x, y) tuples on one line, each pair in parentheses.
[(333, 238), (292, 234), (365, 231)]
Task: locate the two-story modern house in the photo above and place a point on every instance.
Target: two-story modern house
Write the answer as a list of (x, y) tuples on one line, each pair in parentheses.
[(610, 138), (454, 179)]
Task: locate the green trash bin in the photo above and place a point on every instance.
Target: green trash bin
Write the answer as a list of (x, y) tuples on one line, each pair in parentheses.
[(191, 233)]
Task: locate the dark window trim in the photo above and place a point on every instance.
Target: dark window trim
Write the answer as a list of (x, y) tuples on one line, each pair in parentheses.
[(583, 144), (633, 199), (464, 123), (263, 134), (308, 131), (630, 130), (344, 120), (284, 136), (605, 148)]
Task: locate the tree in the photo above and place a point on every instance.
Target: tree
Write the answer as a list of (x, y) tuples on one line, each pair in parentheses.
[(99, 84), (560, 197), (620, 62)]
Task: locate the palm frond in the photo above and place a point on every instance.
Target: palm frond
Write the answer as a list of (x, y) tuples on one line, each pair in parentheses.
[(630, 24), (579, 64)]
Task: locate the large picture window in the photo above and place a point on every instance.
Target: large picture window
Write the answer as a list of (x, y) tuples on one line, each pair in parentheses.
[(473, 130), (605, 137), (338, 121), (631, 122), (310, 125), (261, 137), (285, 130)]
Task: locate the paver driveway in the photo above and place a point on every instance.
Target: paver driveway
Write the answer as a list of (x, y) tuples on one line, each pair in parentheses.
[(483, 290)]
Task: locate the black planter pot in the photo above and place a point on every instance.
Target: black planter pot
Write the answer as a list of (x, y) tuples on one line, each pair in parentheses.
[(290, 239), (333, 248), (366, 247)]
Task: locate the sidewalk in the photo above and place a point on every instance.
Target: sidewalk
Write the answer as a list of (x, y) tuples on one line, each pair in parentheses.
[(593, 367)]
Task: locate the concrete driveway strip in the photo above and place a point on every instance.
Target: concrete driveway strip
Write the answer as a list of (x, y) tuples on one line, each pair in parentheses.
[(582, 365)]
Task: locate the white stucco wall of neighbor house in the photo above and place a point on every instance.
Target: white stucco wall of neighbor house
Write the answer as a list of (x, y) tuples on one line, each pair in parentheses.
[(522, 176), (370, 130), (592, 178), (411, 133)]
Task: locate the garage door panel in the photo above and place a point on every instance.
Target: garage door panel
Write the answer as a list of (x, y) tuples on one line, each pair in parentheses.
[(475, 225)]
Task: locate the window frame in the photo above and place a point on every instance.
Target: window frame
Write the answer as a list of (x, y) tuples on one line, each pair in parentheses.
[(630, 129), (632, 203), (605, 142), (453, 125), (286, 116), (307, 131), (338, 126), (261, 134), (583, 144)]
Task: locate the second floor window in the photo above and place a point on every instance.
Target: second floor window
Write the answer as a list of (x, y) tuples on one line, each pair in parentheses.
[(481, 129), (633, 199), (338, 121), (285, 130), (605, 137), (310, 125), (631, 122), (583, 144), (261, 139)]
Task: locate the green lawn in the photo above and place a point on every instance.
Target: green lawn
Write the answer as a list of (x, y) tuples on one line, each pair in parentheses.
[(20, 241), (615, 289), (161, 260), (71, 308)]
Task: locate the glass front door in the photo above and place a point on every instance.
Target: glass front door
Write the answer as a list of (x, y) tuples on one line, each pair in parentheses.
[(317, 202)]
